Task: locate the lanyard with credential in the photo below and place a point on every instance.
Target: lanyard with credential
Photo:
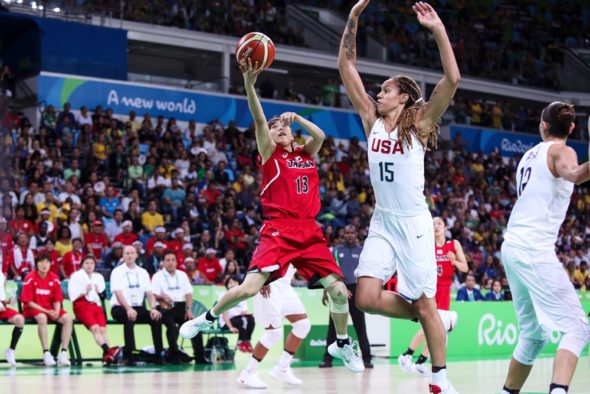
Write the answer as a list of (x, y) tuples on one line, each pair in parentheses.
[(170, 288), (136, 285)]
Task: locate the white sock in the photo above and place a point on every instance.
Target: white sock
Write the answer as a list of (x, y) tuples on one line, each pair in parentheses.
[(440, 378), (504, 392), (252, 366), (345, 336), (558, 390), (285, 360)]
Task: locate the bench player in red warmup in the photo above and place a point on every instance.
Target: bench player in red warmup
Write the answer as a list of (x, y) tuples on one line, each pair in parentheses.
[(290, 200)]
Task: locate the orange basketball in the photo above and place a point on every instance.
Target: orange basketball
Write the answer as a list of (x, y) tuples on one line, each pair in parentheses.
[(258, 47)]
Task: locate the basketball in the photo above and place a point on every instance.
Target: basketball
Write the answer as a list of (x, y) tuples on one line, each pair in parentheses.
[(258, 47)]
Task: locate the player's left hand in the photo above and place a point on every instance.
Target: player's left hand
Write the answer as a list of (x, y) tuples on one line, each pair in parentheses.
[(452, 256), (265, 291), (189, 315), (155, 314), (427, 16), (288, 117)]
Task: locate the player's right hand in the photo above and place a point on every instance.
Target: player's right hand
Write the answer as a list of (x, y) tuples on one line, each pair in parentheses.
[(234, 330), (250, 71), (325, 298), (53, 314), (359, 7), (265, 291), (131, 314)]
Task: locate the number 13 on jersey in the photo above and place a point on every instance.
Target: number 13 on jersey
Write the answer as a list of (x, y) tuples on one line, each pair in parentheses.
[(386, 172)]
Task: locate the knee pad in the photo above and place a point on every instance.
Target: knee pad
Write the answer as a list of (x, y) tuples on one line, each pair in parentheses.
[(338, 294), (528, 349), (270, 337), (301, 328), (575, 341)]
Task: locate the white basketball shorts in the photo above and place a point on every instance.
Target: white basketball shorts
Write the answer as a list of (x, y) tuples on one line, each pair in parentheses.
[(543, 296), (404, 244), (283, 301)]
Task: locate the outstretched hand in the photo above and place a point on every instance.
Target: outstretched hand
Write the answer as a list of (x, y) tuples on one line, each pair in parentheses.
[(427, 16), (359, 7), (250, 71), (288, 117)]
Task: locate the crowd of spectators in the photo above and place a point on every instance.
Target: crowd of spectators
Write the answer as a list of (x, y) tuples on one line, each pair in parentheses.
[(93, 183), (517, 42), (234, 18)]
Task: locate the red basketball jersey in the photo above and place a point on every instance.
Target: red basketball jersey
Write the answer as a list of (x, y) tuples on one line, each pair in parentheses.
[(445, 272), (444, 267), (290, 185)]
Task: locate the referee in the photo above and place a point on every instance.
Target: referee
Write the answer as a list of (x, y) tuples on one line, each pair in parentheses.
[(347, 257), (173, 291)]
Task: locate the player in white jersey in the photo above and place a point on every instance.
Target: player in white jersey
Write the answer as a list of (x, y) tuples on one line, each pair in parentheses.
[(400, 126), (275, 302), (543, 296)]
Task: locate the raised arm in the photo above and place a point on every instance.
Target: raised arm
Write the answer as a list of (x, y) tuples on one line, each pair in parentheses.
[(351, 79), (314, 144), (565, 164), (444, 91), (266, 145)]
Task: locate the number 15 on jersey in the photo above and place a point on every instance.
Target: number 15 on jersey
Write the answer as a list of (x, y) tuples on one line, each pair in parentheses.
[(386, 172)]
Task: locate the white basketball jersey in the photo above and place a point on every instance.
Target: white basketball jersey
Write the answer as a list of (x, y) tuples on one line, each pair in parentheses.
[(397, 172), (542, 202)]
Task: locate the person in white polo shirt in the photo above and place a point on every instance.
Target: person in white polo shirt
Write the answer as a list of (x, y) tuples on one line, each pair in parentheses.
[(130, 286), (174, 294)]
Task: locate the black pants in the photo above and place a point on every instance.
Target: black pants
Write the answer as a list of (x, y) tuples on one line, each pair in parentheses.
[(244, 324), (172, 318), (358, 321), (143, 316)]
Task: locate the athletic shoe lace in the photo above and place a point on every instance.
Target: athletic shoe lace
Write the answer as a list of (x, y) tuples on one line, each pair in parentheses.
[(351, 351)]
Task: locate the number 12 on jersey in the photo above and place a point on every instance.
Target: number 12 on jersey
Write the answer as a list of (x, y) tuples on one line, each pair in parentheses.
[(525, 176), (386, 172)]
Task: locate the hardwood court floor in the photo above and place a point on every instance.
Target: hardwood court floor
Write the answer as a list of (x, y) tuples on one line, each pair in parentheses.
[(475, 377)]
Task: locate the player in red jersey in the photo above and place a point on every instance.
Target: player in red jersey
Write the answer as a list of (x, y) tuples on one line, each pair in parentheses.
[(12, 317), (41, 297), (449, 254), (6, 245), (290, 200)]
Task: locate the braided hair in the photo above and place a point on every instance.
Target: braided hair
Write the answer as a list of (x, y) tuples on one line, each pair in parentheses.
[(407, 121)]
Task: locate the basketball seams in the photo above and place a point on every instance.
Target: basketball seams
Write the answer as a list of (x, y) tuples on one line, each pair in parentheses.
[(248, 48)]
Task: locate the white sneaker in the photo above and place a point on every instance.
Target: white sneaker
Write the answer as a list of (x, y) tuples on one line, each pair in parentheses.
[(421, 369), (434, 389), (349, 355), (48, 360), (449, 319), (10, 355), (405, 362), (251, 380), (62, 359), (286, 375), (191, 328)]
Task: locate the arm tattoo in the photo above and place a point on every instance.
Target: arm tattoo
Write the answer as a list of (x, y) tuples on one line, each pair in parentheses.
[(349, 39)]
